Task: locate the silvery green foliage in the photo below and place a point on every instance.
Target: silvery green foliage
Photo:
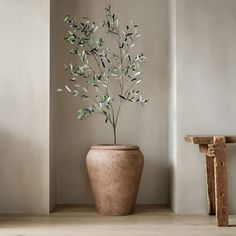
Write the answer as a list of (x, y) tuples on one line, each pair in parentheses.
[(101, 66)]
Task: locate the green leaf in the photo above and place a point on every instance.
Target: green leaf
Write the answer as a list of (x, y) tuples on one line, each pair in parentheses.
[(121, 96), (84, 89), (129, 34), (103, 64), (75, 93), (66, 18), (68, 89), (136, 74), (84, 113), (106, 119)]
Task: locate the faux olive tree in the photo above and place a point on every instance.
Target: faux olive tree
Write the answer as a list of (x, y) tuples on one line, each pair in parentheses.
[(100, 66)]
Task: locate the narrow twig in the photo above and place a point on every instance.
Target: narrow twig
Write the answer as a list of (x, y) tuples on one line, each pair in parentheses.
[(107, 93)]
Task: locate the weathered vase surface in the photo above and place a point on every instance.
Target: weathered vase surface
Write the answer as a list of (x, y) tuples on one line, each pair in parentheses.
[(115, 173)]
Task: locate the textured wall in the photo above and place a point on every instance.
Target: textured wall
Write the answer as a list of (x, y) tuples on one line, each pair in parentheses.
[(203, 78), (147, 127), (24, 106)]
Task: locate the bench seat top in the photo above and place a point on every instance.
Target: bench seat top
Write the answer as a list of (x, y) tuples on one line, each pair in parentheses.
[(208, 139)]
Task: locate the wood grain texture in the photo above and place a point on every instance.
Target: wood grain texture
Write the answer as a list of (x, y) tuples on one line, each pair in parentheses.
[(207, 139), (221, 192), (210, 180), (208, 150)]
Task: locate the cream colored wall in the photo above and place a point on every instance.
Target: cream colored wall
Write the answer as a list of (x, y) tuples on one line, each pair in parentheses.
[(204, 78), (53, 160), (145, 127), (172, 129), (24, 105)]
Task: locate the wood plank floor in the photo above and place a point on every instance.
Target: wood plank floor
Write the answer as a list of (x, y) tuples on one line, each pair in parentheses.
[(84, 221)]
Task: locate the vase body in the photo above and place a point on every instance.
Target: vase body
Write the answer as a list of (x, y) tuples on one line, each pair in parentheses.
[(115, 173)]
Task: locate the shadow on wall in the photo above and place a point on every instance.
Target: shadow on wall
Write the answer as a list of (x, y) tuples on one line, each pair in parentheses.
[(22, 184), (154, 182), (71, 176)]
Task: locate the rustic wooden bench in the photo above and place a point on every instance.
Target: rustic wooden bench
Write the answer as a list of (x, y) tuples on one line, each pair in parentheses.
[(214, 149)]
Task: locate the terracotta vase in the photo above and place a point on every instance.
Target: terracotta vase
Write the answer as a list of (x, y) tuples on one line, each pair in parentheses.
[(115, 173)]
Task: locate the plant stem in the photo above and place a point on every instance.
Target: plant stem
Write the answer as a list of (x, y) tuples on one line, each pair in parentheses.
[(107, 92), (114, 134), (122, 82), (118, 112)]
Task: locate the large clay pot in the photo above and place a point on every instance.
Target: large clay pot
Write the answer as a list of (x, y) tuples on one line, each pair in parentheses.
[(115, 173)]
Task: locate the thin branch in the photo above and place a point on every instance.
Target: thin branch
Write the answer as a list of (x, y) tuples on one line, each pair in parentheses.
[(118, 112), (107, 92), (129, 89), (95, 58), (100, 110)]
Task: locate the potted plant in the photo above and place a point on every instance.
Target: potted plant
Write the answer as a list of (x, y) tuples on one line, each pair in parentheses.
[(105, 78)]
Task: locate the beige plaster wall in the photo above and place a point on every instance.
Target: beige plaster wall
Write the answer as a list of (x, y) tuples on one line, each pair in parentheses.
[(204, 82), (24, 105)]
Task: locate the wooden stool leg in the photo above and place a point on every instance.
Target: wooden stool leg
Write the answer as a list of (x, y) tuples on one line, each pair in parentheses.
[(210, 179), (209, 152), (221, 192)]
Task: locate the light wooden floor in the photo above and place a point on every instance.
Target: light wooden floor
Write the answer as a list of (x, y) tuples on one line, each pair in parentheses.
[(83, 221)]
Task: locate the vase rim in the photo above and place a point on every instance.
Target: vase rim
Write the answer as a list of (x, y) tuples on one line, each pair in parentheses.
[(115, 147)]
